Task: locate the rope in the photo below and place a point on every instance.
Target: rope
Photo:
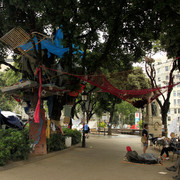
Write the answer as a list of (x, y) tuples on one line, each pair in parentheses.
[(101, 82)]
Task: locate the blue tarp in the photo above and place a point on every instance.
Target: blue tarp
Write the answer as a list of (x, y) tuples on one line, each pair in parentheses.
[(58, 38), (55, 47), (46, 44)]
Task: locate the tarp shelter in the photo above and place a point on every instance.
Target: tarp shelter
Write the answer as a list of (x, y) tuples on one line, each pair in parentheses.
[(11, 119)]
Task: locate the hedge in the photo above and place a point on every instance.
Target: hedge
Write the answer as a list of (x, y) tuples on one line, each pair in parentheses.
[(14, 145), (76, 135), (56, 141)]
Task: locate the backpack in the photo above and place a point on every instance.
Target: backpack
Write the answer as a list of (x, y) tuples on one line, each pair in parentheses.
[(132, 156)]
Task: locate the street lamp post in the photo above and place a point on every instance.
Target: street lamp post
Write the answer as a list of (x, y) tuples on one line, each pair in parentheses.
[(142, 111), (84, 99)]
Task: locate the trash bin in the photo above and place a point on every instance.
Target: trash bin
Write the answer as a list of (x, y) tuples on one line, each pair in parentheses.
[(68, 141)]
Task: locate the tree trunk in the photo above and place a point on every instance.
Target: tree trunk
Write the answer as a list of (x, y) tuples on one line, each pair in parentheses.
[(111, 118), (165, 105), (164, 122), (58, 103), (74, 107)]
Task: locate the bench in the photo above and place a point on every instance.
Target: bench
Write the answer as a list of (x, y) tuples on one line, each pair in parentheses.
[(160, 143)]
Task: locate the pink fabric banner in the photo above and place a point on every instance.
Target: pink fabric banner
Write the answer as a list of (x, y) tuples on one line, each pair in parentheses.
[(37, 110)]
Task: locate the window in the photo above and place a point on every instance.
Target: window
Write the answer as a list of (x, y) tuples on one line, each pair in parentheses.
[(174, 93), (178, 76), (178, 119), (178, 101), (178, 85), (178, 93), (159, 79), (175, 102), (166, 68), (169, 118), (178, 111), (167, 77), (175, 111)]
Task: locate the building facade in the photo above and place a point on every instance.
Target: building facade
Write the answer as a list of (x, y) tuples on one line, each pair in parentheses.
[(163, 67)]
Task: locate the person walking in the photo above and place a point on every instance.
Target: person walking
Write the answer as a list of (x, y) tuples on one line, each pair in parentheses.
[(86, 129)]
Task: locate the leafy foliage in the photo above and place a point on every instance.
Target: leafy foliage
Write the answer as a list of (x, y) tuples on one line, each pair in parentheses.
[(134, 79), (127, 27), (102, 125), (112, 34), (76, 135), (130, 80), (7, 78), (126, 111), (14, 145), (56, 142)]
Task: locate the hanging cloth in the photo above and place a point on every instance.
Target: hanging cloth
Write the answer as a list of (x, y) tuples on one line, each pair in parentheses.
[(37, 110)]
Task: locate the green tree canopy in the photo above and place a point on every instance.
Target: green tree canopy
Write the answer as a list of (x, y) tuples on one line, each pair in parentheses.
[(111, 34), (8, 78)]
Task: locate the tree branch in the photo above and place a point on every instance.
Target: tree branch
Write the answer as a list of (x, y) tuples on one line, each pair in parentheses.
[(171, 79), (10, 66)]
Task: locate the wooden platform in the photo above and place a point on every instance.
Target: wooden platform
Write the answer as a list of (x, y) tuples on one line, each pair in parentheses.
[(20, 86)]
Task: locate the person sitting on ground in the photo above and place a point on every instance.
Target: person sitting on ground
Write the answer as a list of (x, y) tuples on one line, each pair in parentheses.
[(175, 168), (168, 146), (144, 138)]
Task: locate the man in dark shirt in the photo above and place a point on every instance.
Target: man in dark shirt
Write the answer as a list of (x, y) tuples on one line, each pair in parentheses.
[(145, 138)]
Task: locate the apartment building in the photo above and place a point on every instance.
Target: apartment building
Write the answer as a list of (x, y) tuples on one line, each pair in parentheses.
[(163, 67)]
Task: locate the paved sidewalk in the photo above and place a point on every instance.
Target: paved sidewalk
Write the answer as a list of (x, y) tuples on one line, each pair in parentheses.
[(102, 159)]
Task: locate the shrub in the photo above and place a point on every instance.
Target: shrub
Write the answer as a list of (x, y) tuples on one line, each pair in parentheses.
[(56, 142), (14, 145), (76, 135), (102, 125)]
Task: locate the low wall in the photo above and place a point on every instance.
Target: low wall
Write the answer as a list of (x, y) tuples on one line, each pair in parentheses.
[(127, 131)]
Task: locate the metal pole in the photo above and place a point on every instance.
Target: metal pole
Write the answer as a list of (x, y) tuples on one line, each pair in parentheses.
[(104, 128), (84, 137), (142, 110)]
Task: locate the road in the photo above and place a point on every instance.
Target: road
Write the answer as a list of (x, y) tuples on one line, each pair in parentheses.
[(102, 159)]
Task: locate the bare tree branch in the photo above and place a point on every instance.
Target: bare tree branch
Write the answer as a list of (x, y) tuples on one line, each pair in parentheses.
[(10, 66)]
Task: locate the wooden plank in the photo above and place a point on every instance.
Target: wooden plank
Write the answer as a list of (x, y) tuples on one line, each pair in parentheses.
[(52, 87), (19, 86)]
